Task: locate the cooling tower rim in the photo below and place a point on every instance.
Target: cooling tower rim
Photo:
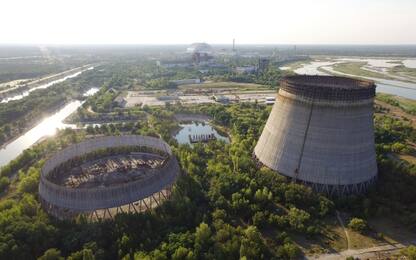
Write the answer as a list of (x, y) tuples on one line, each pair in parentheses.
[(331, 82), (332, 88)]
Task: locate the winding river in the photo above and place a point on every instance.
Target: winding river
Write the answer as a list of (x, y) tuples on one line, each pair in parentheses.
[(394, 87), (43, 86), (45, 128)]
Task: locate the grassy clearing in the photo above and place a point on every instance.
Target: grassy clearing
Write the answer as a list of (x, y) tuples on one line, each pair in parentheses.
[(336, 237), (395, 62), (358, 241), (354, 68), (137, 87), (332, 240), (382, 231), (403, 71), (296, 65), (408, 158), (407, 105), (392, 232)]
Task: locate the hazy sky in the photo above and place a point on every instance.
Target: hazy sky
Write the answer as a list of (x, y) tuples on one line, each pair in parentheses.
[(212, 21)]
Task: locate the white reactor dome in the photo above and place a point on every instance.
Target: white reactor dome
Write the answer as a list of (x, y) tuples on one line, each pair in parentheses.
[(200, 47)]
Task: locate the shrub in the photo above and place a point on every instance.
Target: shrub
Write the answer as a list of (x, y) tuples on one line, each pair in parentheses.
[(51, 254), (4, 183), (358, 224), (409, 252)]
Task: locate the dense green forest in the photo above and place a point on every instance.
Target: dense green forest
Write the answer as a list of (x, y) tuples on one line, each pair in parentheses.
[(29, 63), (223, 206), (27, 69)]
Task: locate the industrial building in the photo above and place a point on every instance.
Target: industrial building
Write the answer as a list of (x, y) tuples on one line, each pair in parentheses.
[(320, 133), (263, 65), (201, 53), (103, 176), (179, 82), (199, 47), (245, 69)]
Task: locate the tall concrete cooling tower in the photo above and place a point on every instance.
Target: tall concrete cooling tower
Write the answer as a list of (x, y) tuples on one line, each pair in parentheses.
[(320, 133)]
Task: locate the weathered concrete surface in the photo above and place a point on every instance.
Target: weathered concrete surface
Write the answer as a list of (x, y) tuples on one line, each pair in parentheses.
[(89, 199), (319, 140)]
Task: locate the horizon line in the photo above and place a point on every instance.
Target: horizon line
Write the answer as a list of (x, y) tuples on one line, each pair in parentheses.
[(173, 44)]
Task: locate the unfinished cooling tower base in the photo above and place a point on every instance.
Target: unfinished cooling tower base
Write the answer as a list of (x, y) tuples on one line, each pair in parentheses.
[(142, 205), (341, 190), (103, 176), (329, 189)]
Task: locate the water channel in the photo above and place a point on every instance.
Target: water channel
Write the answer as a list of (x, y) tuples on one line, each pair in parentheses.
[(197, 128), (43, 86), (50, 124), (47, 127)]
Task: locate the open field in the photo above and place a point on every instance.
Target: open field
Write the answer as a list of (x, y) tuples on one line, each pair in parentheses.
[(383, 237), (227, 85), (392, 232), (373, 68), (17, 85), (294, 65), (404, 104), (355, 68), (134, 99), (403, 71), (200, 93)]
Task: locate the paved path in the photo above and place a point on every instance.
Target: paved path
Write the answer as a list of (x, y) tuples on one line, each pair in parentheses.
[(376, 252), (372, 252), (341, 222)]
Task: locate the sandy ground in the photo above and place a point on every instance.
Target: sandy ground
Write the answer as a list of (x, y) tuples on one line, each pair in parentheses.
[(377, 252), (192, 117), (141, 99)]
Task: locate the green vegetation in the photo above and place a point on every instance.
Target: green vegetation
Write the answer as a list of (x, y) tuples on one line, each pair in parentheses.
[(85, 115), (28, 62), (407, 105), (389, 99), (358, 224), (270, 77), (27, 69), (296, 65), (394, 175), (409, 252), (223, 206), (403, 70), (16, 116), (239, 86)]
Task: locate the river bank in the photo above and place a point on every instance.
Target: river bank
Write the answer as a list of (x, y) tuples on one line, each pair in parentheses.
[(20, 91), (325, 66), (32, 123), (44, 126)]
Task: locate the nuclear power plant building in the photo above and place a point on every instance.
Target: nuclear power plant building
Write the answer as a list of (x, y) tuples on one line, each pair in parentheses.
[(320, 133)]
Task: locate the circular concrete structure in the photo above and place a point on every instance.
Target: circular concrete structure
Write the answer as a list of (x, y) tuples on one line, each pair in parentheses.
[(320, 133), (88, 178)]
